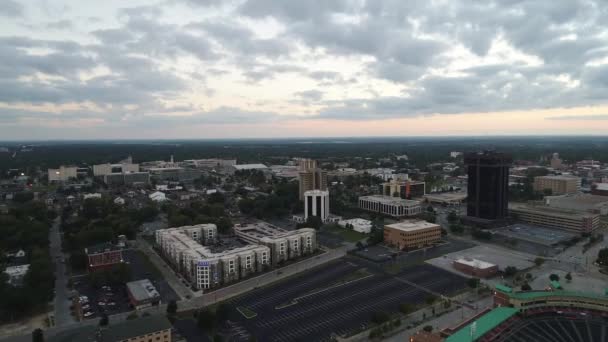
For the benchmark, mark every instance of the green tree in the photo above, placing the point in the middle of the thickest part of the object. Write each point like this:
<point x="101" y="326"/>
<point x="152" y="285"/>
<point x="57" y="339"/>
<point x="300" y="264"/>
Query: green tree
<point x="222" y="313"/>
<point x="379" y="317"/>
<point x="602" y="257"/>
<point x="104" y="320"/>
<point x="37" y="335"/>
<point x="430" y="299"/>
<point x="406" y="308"/>
<point x="23" y="196"/>
<point x="526" y="287"/>
<point x="428" y="328"/>
<point x="224" y="225"/>
<point x="452" y="217"/>
<point x="539" y="261"/>
<point x="553" y="277"/>
<point x="510" y="271"/>
<point x="172" y="307"/>
<point x="457" y="228"/>
<point x="473" y="282"/>
<point x="206" y="320"/>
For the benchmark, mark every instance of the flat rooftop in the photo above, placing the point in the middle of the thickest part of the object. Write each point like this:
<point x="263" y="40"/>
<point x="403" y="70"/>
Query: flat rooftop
<point x="601" y="186"/>
<point x="250" y="166"/>
<point x="447" y="196"/>
<point x="390" y="200"/>
<point x="412" y="225"/>
<point x="479" y="264"/>
<point x="260" y="229"/>
<point x="142" y="290"/>
<point x="578" y="201"/>
<point x="560" y="177"/>
<point x="536" y="234"/>
<point x="547" y="210"/>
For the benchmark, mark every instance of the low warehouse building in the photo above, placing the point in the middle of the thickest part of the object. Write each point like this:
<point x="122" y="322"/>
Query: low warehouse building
<point x="476" y="268"/>
<point x="142" y="293"/>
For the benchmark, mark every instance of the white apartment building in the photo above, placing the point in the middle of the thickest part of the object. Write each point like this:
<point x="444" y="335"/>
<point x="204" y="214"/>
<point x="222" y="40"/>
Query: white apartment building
<point x="316" y="203"/>
<point x="190" y="251"/>
<point x="283" y="244"/>
<point x="107" y="169"/>
<point x="62" y="174"/>
<point x="388" y="205"/>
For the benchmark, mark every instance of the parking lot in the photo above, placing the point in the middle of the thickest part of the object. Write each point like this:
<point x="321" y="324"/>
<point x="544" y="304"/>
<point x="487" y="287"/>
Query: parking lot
<point x="493" y="254"/>
<point x="113" y="298"/>
<point x="311" y="307"/>
<point x="379" y="253"/>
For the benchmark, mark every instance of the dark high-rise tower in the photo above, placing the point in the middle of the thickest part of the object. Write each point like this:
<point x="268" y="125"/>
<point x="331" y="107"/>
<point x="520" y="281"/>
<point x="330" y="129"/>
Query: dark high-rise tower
<point x="488" y="185"/>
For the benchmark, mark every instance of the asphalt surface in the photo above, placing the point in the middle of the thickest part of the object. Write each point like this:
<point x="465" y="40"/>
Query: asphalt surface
<point x="319" y="311"/>
<point x="62" y="303"/>
<point x="140" y="269"/>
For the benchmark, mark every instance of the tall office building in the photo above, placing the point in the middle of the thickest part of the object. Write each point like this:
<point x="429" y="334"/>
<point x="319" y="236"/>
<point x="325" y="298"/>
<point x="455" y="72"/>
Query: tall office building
<point x="488" y="184"/>
<point x="311" y="177"/>
<point x="316" y="203"/>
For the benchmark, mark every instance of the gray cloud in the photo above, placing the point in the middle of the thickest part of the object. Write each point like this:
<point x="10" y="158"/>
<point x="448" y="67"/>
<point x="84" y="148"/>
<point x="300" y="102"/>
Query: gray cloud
<point x="60" y="25"/>
<point x="600" y="117"/>
<point x="11" y="8"/>
<point x="408" y="43"/>
<point x="310" y="95"/>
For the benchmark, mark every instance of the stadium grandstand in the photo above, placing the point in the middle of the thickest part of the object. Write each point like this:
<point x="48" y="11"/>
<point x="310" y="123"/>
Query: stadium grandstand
<point x="544" y="316"/>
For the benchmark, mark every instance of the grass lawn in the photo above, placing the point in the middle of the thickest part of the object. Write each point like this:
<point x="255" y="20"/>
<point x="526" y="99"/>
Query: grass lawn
<point x="246" y="312"/>
<point x="345" y="234"/>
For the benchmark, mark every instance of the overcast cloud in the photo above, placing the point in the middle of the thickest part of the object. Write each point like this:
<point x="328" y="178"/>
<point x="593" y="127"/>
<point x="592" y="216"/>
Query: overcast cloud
<point x="187" y="63"/>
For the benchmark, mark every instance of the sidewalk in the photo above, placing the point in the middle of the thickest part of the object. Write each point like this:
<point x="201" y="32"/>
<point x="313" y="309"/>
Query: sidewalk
<point x="442" y="319"/>
<point x="182" y="290"/>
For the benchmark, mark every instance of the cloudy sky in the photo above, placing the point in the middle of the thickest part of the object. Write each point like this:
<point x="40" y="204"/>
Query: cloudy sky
<point x="73" y="69"/>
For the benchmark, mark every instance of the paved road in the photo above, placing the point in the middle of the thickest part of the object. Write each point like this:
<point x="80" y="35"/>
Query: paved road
<point x="62" y="303"/>
<point x="168" y="274"/>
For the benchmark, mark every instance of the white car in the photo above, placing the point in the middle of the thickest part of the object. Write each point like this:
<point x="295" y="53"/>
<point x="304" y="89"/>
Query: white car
<point x="85" y="307"/>
<point x="101" y="304"/>
<point x="88" y="314"/>
<point x="83" y="297"/>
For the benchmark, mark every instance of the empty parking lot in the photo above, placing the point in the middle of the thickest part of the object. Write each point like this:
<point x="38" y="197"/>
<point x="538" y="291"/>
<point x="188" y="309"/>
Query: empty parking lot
<point x="317" y="304"/>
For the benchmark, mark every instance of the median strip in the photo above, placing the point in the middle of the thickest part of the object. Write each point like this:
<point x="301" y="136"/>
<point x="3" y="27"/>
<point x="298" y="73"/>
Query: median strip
<point x="246" y="312"/>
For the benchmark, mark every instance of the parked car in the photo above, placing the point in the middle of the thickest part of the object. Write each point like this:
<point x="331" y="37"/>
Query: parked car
<point x="88" y="314"/>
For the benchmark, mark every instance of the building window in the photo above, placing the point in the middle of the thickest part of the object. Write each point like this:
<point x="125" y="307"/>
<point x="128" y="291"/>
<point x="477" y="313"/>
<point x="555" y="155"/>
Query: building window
<point x="248" y="262"/>
<point x="231" y="266"/>
<point x="210" y="234"/>
<point x="264" y="258"/>
<point x="308" y="242"/>
<point x="295" y="245"/>
<point x="282" y="248"/>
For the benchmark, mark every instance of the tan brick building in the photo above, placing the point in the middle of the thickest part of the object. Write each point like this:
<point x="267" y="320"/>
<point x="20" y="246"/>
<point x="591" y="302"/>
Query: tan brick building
<point x="412" y="234"/>
<point x="145" y="329"/>
<point x="559" y="185"/>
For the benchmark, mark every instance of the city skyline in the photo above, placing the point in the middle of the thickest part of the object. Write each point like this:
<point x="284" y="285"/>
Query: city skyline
<point x="262" y="69"/>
